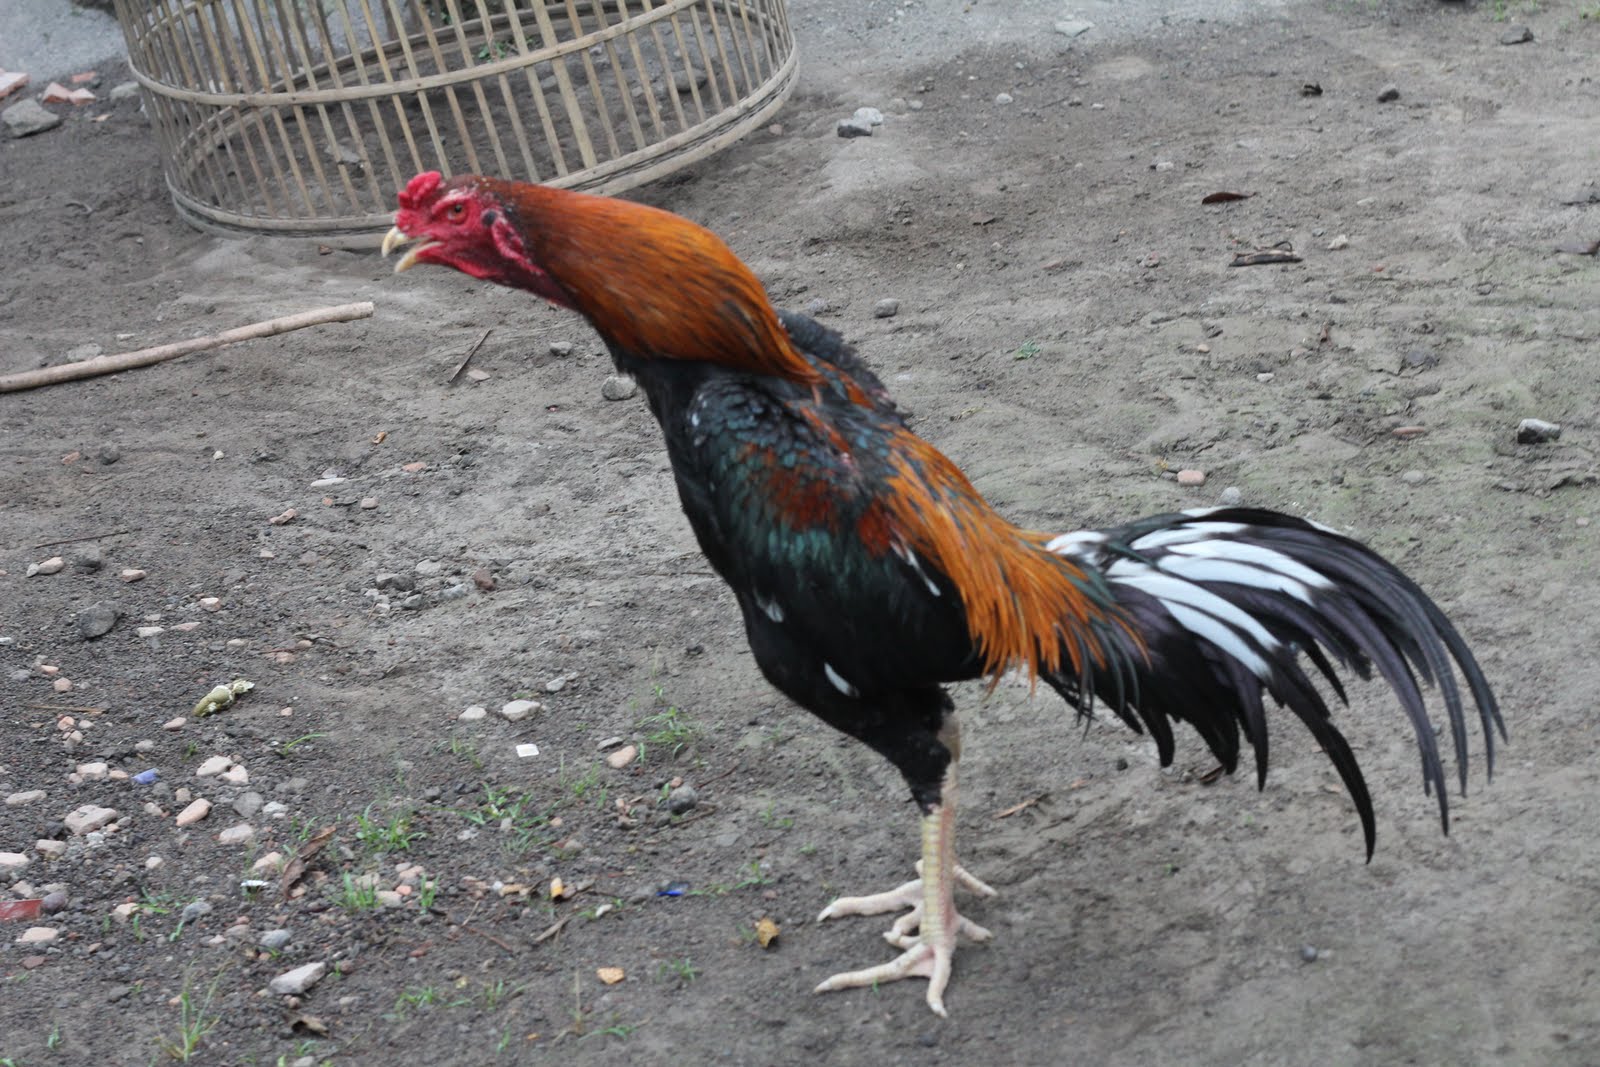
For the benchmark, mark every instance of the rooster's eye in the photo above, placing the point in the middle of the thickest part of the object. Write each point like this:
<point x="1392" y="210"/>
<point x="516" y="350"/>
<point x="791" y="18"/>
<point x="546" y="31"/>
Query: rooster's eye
<point x="458" y="210"/>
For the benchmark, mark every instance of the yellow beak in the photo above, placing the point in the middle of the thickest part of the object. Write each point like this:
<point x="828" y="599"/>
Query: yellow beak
<point x="397" y="238"/>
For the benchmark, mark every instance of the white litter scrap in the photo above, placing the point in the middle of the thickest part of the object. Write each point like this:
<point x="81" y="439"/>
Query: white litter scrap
<point x="221" y="697"/>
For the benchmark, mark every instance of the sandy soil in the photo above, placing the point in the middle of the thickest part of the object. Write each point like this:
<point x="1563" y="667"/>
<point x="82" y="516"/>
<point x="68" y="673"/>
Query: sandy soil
<point x="1070" y="330"/>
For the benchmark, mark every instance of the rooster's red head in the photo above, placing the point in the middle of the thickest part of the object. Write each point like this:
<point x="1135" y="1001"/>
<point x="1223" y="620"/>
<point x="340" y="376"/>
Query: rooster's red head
<point x="655" y="285"/>
<point x="463" y="223"/>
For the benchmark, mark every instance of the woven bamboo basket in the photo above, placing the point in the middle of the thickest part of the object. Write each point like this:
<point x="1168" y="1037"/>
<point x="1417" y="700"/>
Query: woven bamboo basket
<point x="301" y="118"/>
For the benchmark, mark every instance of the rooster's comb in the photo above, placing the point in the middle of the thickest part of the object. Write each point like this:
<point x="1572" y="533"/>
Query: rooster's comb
<point x="418" y="191"/>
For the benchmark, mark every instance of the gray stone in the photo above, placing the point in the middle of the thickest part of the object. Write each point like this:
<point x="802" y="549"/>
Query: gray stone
<point x="194" y="910"/>
<point x="1537" y="432"/>
<point x="96" y="620"/>
<point x="561" y="348"/>
<point x="29" y="117"/>
<point x="854" y="128"/>
<point x="109" y="454"/>
<point x="618" y="387"/>
<point x="248" y="804"/>
<point x="88" y="559"/>
<point x="1073" y="27"/>
<point x="1230" y="497"/>
<point x="1516" y="35"/>
<point x="297" y="981"/>
<point x="887" y="308"/>
<point x="682" y="799"/>
<point x="125" y="91"/>
<point x="683" y="80"/>
<point x="275" y="940"/>
<point x="1388" y="94"/>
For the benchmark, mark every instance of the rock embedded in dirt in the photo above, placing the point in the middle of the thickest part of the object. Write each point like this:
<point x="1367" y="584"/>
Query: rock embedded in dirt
<point x="473" y="714"/>
<point x="297" y="981"/>
<point x="133" y="574"/>
<point x="38" y="935"/>
<point x="853" y="127"/>
<point x="622" y="757"/>
<point x="248" y="804"/>
<point x="1191" y="478"/>
<point x="886" y="308"/>
<point x="1230" y="497"/>
<point x="1414" y="477"/>
<point x="197" y="810"/>
<point x="1516" y="35"/>
<point x="1537" y="432"/>
<point x="1308" y="953"/>
<point x="682" y="799"/>
<point x="88" y="817"/>
<point x="618" y="387"/>
<point x="88" y="559"/>
<point x="28" y="117"/>
<point x="242" y="834"/>
<point x="194" y="910"/>
<point x="213" y="766"/>
<point x="97" y="620"/>
<point x="55" y="901"/>
<point x="561" y="349"/>
<point x="25" y="796"/>
<point x="274" y="940"/>
<point x="517" y="710"/>
<point x="13" y="862"/>
<point x="125" y="91"/>
<point x="52" y="565"/>
<point x="1388" y="94"/>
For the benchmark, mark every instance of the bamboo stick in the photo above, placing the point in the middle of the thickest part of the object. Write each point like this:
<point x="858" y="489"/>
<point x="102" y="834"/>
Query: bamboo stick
<point x="144" y="357"/>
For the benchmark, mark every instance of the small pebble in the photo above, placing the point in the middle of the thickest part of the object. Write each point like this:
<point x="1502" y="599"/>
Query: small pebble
<point x="1339" y="242"/>
<point x="213" y="766"/>
<point x="52" y="565"/>
<point x="1003" y="98"/>
<point x="1414" y="477"/>
<point x="886" y="308"/>
<point x="194" y="910"/>
<point x="196" y="811"/>
<point x="1516" y="35"/>
<point x="618" y="387"/>
<point x="682" y="799"/>
<point x="1265" y="376"/>
<point x="237" y="835"/>
<point x="13" y="862"/>
<point x="297" y="981"/>
<point x="38" y="935"/>
<point x="517" y="710"/>
<point x="473" y="714"/>
<point x="1388" y="94"/>
<point x="53" y="902"/>
<point x="561" y="348"/>
<point x="51" y="848"/>
<point x="622" y="757"/>
<point x="27" y="796"/>
<point x="174" y="724"/>
<point x="248" y="804"/>
<point x="96" y="620"/>
<point x="1537" y="431"/>
<point x="369" y="502"/>
<point x="853" y="128"/>
<point x="1308" y="953"/>
<point x="133" y="574"/>
<point x="1191" y="477"/>
<point x="274" y="940"/>
<point x="211" y="603"/>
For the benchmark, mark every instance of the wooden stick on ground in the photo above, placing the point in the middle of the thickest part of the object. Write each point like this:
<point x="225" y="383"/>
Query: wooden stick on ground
<point x="90" y="368"/>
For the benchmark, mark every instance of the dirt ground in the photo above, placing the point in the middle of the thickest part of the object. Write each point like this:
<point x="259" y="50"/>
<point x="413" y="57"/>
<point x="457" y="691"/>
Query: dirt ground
<point x="1071" y="332"/>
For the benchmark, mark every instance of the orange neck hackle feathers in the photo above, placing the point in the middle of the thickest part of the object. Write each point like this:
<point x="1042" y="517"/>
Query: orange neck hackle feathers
<point x="655" y="285"/>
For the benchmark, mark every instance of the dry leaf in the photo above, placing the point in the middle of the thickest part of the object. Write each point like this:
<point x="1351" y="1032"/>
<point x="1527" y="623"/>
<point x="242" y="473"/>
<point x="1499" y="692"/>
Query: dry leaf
<point x="766" y="932"/>
<point x="296" y="867"/>
<point x="610" y="975"/>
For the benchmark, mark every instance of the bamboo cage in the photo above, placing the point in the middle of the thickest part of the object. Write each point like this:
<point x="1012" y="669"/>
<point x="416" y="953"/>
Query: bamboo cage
<point x="302" y="118"/>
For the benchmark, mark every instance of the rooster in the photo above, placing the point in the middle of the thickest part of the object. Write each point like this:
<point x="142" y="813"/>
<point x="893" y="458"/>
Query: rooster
<point x="871" y="573"/>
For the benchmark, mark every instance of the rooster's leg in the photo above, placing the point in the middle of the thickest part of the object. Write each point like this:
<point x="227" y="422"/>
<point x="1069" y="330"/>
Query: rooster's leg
<point x="930" y="951"/>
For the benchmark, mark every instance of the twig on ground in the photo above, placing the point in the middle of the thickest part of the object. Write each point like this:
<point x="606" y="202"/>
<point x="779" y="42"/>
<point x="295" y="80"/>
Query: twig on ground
<point x="90" y="368"/>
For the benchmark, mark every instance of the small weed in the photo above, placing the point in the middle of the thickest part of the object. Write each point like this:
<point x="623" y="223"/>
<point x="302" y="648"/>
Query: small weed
<point x="466" y="750"/>
<point x="1028" y="350"/>
<point x="303" y="739"/>
<point x="808" y="849"/>
<point x="194" y="1021"/>
<point x="395" y="835"/>
<point x="683" y="970"/>
<point x="53" y="1040"/>
<point x="357" y="894"/>
<point x="590" y="782"/>
<point x="495" y="993"/>
<point x="669" y="730"/>
<point x="426" y="893"/>
<point x="753" y="876"/>
<point x="770" y="816"/>
<point x="191" y="750"/>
